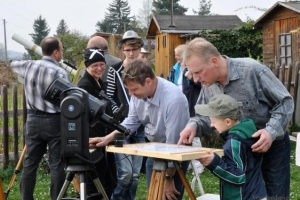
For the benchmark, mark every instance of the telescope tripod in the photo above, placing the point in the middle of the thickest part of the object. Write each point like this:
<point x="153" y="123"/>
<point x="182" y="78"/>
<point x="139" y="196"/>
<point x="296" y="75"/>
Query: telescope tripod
<point x="82" y="170"/>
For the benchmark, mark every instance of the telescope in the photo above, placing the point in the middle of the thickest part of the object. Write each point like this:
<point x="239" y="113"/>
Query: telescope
<point x="38" y="50"/>
<point x="79" y="110"/>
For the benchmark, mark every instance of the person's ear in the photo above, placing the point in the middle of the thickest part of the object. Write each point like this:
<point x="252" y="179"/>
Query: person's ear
<point x="214" y="60"/>
<point x="148" y="81"/>
<point x="228" y="122"/>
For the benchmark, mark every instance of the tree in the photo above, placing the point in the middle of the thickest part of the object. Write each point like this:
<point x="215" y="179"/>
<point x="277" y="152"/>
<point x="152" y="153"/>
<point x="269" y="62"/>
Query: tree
<point x="244" y="41"/>
<point x="62" y="28"/>
<point x="41" y="30"/>
<point x="74" y="44"/>
<point x="117" y="19"/>
<point x="204" y="8"/>
<point x="144" y="16"/>
<point x="135" y="26"/>
<point x="163" y="7"/>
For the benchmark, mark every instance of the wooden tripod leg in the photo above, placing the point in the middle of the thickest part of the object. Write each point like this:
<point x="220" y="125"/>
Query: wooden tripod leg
<point x="151" y="186"/>
<point x="76" y="183"/>
<point x="1" y="190"/>
<point x="17" y="170"/>
<point x="161" y="184"/>
<point x="184" y="181"/>
<point x="157" y="182"/>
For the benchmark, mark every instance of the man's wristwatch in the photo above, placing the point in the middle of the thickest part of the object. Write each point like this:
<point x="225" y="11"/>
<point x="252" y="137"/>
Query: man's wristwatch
<point x="168" y="176"/>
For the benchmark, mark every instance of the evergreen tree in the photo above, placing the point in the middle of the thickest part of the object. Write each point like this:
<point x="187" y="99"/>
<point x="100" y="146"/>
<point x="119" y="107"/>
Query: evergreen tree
<point x="117" y="19"/>
<point x="41" y="30"/>
<point x="62" y="28"/>
<point x="163" y="7"/>
<point x="204" y="8"/>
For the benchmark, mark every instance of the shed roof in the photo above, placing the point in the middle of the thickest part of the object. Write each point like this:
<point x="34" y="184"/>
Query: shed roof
<point x="292" y="5"/>
<point x="190" y="23"/>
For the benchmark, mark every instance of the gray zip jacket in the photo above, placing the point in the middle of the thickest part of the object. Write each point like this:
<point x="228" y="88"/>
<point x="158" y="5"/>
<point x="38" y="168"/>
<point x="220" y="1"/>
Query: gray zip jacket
<point x="261" y="96"/>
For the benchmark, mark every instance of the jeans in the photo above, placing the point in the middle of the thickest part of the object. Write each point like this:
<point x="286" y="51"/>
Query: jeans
<point x="178" y="183"/>
<point x="276" y="169"/>
<point x="128" y="169"/>
<point x="41" y="131"/>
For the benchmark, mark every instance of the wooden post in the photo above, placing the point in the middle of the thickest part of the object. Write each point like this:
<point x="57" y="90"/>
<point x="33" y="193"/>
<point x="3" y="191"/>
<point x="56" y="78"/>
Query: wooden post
<point x="289" y="77"/>
<point x="5" y="128"/>
<point x="296" y="79"/>
<point x="15" y="123"/>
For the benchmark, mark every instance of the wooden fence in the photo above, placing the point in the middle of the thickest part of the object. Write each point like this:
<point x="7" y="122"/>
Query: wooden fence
<point x="289" y="76"/>
<point x="6" y="114"/>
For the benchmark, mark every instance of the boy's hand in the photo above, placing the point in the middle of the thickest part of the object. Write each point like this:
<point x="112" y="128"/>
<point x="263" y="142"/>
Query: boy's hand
<point x="206" y="160"/>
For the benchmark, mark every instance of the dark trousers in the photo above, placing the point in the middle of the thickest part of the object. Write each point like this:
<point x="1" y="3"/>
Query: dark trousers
<point x="40" y="131"/>
<point x="276" y="169"/>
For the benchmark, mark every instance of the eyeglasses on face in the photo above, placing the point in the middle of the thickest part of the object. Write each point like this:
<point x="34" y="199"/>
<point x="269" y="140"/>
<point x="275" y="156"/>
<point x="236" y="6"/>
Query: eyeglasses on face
<point x="127" y="75"/>
<point x="131" y="50"/>
<point x="96" y="66"/>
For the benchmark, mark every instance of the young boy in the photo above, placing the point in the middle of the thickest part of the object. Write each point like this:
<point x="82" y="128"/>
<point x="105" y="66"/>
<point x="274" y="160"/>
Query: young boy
<point x="239" y="169"/>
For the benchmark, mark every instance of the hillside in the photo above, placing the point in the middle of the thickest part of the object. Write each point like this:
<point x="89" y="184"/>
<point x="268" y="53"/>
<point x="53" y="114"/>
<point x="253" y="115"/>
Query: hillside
<point x="14" y="55"/>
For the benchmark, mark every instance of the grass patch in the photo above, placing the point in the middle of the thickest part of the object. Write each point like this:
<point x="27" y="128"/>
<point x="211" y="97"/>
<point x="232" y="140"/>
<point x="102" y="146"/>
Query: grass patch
<point x="209" y="181"/>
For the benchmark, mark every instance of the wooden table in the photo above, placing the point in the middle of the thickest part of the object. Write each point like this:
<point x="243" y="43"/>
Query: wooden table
<point x="162" y="153"/>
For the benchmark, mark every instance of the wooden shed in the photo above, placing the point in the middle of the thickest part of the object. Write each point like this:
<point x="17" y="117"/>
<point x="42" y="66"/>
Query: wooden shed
<point x="280" y="26"/>
<point x="166" y="30"/>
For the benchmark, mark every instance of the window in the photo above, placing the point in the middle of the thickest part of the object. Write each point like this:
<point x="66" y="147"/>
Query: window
<point x="285" y="48"/>
<point x="164" y="41"/>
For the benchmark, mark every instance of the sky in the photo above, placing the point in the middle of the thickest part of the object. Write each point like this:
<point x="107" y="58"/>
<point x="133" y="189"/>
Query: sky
<point x="82" y="15"/>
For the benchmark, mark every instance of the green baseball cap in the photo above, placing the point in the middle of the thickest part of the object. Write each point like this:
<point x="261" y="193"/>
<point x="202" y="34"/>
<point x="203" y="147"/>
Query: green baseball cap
<point x="220" y="105"/>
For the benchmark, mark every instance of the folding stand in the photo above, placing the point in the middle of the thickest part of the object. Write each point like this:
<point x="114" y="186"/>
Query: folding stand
<point x="82" y="170"/>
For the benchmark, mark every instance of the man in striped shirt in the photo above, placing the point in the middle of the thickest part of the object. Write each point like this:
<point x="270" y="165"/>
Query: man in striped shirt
<point x="128" y="167"/>
<point x="43" y="118"/>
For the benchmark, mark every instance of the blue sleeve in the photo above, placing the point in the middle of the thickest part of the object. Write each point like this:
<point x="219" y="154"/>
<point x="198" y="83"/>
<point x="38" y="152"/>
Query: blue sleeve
<point x="230" y="167"/>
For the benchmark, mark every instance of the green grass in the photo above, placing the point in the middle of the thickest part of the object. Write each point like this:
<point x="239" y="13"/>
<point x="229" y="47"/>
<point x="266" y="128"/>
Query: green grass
<point x="209" y="181"/>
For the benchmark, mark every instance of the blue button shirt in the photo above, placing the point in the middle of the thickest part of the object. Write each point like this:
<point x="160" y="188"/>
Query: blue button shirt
<point x="164" y="116"/>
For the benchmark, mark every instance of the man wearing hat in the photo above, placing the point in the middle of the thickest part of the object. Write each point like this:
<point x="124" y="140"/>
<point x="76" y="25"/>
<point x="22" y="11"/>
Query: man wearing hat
<point x="144" y="54"/>
<point x="239" y="169"/>
<point x="91" y="82"/>
<point x="128" y="166"/>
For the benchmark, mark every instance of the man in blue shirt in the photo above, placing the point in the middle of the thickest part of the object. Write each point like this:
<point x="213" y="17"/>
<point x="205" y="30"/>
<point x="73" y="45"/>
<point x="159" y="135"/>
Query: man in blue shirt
<point x="162" y="108"/>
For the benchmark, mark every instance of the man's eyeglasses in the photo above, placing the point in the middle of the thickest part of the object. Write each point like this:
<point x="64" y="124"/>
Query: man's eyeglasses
<point x="130" y="50"/>
<point x="127" y="75"/>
